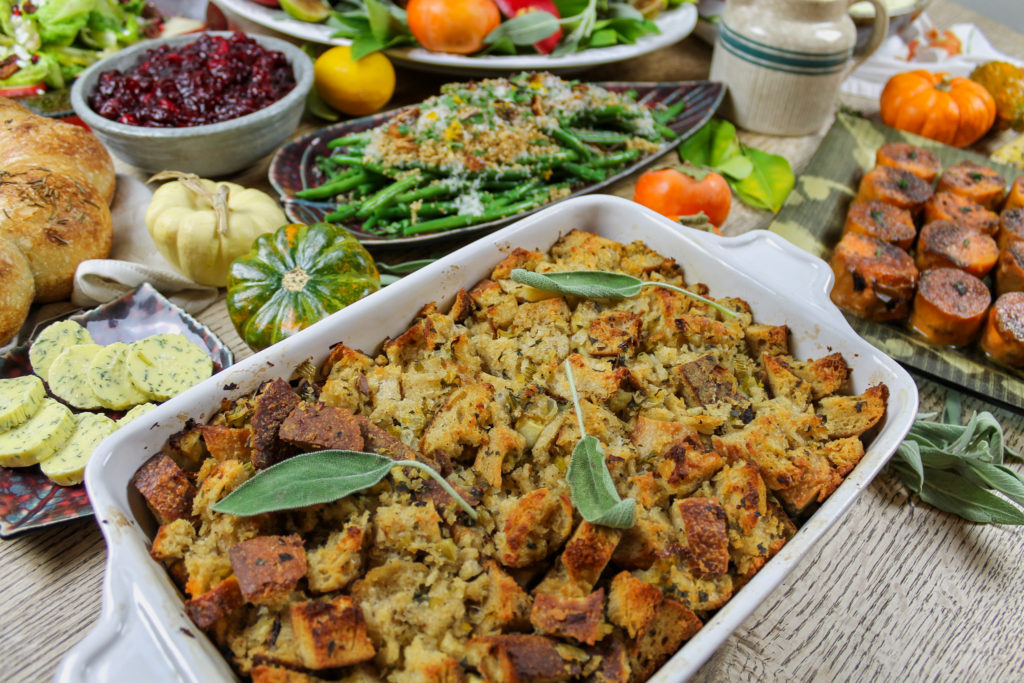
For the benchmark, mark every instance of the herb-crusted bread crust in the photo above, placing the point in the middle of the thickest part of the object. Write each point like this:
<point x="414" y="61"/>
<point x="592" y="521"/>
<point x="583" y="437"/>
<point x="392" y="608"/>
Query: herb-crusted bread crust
<point x="724" y="440"/>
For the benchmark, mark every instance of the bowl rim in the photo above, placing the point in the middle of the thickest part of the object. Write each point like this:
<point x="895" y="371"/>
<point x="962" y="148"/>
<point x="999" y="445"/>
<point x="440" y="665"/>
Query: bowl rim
<point x="915" y="6"/>
<point x="302" y="67"/>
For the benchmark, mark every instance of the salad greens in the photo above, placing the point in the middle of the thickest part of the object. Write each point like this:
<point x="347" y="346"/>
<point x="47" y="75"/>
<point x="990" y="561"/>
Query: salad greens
<point x="374" y="25"/>
<point x="51" y="41"/>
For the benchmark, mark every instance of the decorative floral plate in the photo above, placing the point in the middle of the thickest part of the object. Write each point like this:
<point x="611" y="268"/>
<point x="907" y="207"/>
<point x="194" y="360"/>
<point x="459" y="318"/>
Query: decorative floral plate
<point x="27" y="498"/>
<point x="674" y="25"/>
<point x="813" y="218"/>
<point x="294" y="168"/>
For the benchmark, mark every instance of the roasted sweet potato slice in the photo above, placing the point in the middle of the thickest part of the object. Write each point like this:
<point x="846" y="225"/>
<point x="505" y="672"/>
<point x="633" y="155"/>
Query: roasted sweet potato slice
<point x="949" y="306"/>
<point x="1003" y="336"/>
<point x="1010" y="271"/>
<point x="886" y="222"/>
<point x="980" y="183"/>
<point x="960" y="209"/>
<point x="1011" y="227"/>
<point x="874" y="279"/>
<point x="905" y="156"/>
<point x="1015" y="197"/>
<point x="945" y="244"/>
<point x="894" y="186"/>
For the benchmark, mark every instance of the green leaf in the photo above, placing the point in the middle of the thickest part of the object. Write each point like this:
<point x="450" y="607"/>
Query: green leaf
<point x="380" y="20"/>
<point x="317" y="478"/>
<point x="623" y="10"/>
<point x="308" y="479"/>
<point x="316" y="106"/>
<point x="712" y="145"/>
<point x="366" y="44"/>
<point x="769" y="183"/>
<point x="909" y="453"/>
<point x="951" y="410"/>
<point x="526" y="29"/>
<point x="736" y="168"/>
<point x="604" y="38"/>
<point x="952" y="493"/>
<point x="999" y="478"/>
<point x="405" y="267"/>
<point x="590" y="483"/>
<point x="500" y="47"/>
<point x="599" y="284"/>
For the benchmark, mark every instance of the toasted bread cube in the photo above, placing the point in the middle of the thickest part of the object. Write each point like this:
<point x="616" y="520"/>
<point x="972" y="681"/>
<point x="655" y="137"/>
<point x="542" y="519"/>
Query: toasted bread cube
<point x="519" y="258"/>
<point x="580" y="619"/>
<point x="462" y="306"/>
<point x="826" y="375"/>
<point x="339" y="561"/>
<point x="655" y="437"/>
<point x="346" y="370"/>
<point x="519" y="658"/>
<point x="227" y="443"/>
<point x="461" y="424"/>
<point x="588" y="552"/>
<point x="330" y="634"/>
<point x="274" y="402"/>
<point x="649" y="537"/>
<point x="597" y="380"/>
<point x="822" y="468"/>
<point x="268" y="567"/>
<point x="426" y="665"/>
<point x="767" y="339"/>
<point x="316" y="426"/>
<point x="639" y="260"/>
<point x="496" y="305"/>
<point x="507" y="606"/>
<point x="614" y="661"/>
<point x="764" y="442"/>
<point x="633" y="603"/>
<point x="784" y="382"/>
<point x="614" y="333"/>
<point x="407" y="528"/>
<point x="700" y="330"/>
<point x="587" y="251"/>
<point x="702" y="521"/>
<point x="504" y="446"/>
<point x="706" y="382"/>
<point x="536" y="527"/>
<point x="674" y="624"/>
<point x="757" y="525"/>
<point x="687" y="465"/>
<point x="168" y="491"/>
<point x="853" y="415"/>
<point x="215" y="604"/>
<point x="426" y="335"/>
<point x="173" y="540"/>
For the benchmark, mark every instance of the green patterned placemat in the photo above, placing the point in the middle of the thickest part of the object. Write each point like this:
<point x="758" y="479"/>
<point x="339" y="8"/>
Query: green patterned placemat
<point x="813" y="217"/>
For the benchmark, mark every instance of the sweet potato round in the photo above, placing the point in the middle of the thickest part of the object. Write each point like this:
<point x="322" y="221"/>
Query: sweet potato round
<point x="1003" y="336"/>
<point x="949" y="306"/>
<point x="945" y="244"/>
<point x="908" y="157"/>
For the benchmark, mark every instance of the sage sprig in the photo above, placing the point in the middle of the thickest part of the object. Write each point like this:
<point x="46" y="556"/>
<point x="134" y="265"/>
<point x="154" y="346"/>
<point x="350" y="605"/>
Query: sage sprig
<point x="320" y="477"/>
<point x="957" y="468"/>
<point x="600" y="284"/>
<point x="590" y="483"/>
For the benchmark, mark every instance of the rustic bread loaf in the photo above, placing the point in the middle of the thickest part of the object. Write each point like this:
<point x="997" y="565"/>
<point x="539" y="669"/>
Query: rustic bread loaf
<point x="56" y="183"/>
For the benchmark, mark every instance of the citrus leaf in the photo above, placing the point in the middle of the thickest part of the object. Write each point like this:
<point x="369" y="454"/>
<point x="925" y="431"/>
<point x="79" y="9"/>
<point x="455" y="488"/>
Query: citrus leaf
<point x="526" y="29"/>
<point x="769" y="182"/>
<point x="736" y="168"/>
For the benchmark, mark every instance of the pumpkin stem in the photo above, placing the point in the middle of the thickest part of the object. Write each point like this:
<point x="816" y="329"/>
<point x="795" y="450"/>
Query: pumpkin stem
<point x="295" y="279"/>
<point x="945" y="85"/>
<point x="194" y="184"/>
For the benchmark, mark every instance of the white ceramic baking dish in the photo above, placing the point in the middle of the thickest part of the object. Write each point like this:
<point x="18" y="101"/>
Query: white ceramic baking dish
<point x="143" y="633"/>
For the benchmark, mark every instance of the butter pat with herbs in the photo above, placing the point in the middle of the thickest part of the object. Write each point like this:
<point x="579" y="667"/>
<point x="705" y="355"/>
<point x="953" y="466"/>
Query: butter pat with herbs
<point x="164" y="365"/>
<point x="20" y="398"/>
<point x="69" y="377"/>
<point x="67" y="465"/>
<point x="108" y="375"/>
<point x="39" y="437"/>
<point x="52" y="341"/>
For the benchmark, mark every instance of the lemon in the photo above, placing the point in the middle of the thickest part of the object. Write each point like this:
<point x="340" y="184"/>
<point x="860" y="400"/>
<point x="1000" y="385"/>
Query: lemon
<point x="354" y="87"/>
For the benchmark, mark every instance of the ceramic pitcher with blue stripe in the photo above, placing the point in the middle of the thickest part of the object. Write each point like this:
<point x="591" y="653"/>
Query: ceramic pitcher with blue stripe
<point x="783" y="61"/>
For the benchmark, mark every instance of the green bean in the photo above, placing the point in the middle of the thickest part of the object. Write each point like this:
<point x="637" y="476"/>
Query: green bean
<point x="342" y="213"/>
<point x="368" y="165"/>
<point x="616" y="158"/>
<point x="665" y="131"/>
<point x="387" y="195"/>
<point x="370" y="223"/>
<point x="601" y="137"/>
<point x="516" y="194"/>
<point x="433" y="190"/>
<point x="585" y="172"/>
<point x="665" y="115"/>
<point x="346" y="181"/>
<point x="461" y="221"/>
<point x="572" y="142"/>
<point x="355" y="139"/>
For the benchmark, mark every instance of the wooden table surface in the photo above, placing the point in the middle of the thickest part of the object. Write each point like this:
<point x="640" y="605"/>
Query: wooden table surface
<point x="897" y="591"/>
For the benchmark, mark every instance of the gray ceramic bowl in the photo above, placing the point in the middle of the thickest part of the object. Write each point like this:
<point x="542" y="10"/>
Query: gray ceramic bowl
<point x="211" y="150"/>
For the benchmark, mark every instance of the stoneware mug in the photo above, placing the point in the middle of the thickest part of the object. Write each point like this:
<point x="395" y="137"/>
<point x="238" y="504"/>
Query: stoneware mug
<point x="783" y="61"/>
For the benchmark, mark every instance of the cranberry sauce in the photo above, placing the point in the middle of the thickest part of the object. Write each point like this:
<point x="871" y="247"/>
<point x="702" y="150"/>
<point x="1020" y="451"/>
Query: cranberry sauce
<point x="206" y="81"/>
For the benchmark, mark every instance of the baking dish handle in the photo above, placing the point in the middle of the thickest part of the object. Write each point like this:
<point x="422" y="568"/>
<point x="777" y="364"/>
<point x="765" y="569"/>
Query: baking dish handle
<point x="790" y="264"/>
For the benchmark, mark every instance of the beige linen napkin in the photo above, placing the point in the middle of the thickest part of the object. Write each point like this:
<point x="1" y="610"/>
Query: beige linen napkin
<point x="134" y="259"/>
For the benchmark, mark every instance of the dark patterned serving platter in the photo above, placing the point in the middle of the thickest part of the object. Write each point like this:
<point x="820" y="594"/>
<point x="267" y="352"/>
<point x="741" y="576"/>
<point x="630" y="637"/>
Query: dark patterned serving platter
<point x="294" y="168"/>
<point x="28" y="499"/>
<point x="813" y="218"/>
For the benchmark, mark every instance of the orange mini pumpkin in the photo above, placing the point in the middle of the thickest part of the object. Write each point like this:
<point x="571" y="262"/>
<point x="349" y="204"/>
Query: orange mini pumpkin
<point x="953" y="110"/>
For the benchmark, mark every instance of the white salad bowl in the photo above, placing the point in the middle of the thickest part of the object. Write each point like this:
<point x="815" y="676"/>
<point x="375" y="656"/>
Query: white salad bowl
<point x="143" y="632"/>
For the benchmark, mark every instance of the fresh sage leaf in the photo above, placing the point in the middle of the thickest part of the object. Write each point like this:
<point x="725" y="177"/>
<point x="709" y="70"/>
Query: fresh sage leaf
<point x="958" y="468"/>
<point x="599" y="284"/>
<point x="623" y="10"/>
<point x="526" y="29"/>
<point x="405" y="267"/>
<point x="317" y="478"/>
<point x="950" y="492"/>
<point x="769" y="183"/>
<point x="590" y="483"/>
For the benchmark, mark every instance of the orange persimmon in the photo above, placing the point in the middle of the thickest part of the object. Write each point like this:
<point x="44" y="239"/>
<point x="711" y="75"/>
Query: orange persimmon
<point x="455" y="26"/>
<point x="673" y="193"/>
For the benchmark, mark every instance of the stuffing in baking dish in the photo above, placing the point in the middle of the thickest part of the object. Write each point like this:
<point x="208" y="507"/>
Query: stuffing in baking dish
<point x="722" y="438"/>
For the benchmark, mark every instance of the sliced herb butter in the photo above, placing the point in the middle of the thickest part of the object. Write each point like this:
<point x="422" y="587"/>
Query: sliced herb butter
<point x="52" y="341"/>
<point x="136" y="412"/>
<point x="164" y="365"/>
<point x="67" y="465"/>
<point x="108" y="375"/>
<point x="20" y="398"/>
<point x="38" y="438"/>
<point x="69" y="376"/>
